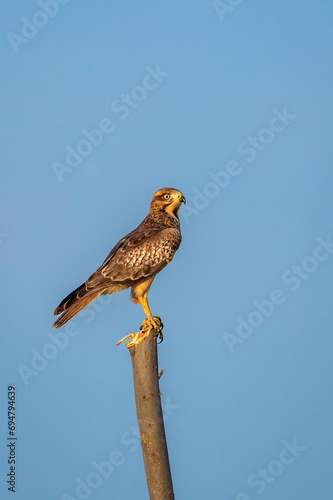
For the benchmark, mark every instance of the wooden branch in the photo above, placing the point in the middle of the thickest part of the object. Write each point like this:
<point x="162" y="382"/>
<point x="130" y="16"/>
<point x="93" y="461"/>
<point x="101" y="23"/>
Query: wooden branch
<point x="150" y="419"/>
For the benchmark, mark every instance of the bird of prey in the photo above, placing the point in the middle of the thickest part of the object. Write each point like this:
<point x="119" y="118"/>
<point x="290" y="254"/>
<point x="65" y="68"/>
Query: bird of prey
<point x="134" y="262"/>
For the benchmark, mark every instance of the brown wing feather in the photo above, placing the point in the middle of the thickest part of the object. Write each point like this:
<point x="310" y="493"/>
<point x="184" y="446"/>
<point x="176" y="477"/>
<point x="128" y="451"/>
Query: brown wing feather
<point x="142" y="254"/>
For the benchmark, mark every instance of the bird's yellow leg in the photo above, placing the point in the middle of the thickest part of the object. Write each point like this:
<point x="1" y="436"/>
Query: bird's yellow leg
<point x="145" y="306"/>
<point x="151" y="322"/>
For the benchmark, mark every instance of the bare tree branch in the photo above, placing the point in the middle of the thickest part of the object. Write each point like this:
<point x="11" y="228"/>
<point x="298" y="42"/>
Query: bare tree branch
<point x="150" y="419"/>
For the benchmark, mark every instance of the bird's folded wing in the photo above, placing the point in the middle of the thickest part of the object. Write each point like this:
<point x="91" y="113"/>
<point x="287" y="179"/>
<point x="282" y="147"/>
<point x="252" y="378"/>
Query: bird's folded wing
<point x="140" y="254"/>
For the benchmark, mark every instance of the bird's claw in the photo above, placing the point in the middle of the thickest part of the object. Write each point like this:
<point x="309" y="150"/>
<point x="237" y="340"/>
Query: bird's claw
<point x="155" y="324"/>
<point x="158" y="333"/>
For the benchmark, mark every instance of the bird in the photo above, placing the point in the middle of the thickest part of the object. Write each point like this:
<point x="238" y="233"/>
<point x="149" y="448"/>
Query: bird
<point x="133" y="263"/>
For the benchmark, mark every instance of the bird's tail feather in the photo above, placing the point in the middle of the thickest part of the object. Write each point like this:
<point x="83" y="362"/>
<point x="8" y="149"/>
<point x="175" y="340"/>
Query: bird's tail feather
<point x="70" y="299"/>
<point x="72" y="305"/>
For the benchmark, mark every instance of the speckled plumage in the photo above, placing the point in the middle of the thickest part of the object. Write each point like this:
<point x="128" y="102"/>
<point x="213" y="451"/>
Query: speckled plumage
<point x="135" y="260"/>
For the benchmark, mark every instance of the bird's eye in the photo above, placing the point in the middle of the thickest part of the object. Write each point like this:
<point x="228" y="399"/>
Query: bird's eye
<point x="166" y="196"/>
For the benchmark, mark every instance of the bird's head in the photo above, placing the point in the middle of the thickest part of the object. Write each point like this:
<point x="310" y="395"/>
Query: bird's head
<point x="167" y="200"/>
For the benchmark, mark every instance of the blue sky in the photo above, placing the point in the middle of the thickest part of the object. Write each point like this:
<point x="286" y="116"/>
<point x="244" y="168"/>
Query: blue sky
<point x="230" y="102"/>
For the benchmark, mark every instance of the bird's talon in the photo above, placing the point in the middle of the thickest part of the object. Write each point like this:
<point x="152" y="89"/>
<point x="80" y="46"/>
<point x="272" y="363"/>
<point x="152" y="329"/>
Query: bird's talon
<point x="160" y="336"/>
<point x="158" y="320"/>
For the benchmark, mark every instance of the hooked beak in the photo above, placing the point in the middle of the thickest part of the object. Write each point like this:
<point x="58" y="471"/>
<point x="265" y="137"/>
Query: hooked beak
<point x="182" y="199"/>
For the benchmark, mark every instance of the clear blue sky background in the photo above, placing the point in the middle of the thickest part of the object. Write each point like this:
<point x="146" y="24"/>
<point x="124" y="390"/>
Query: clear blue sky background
<point x="232" y="403"/>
